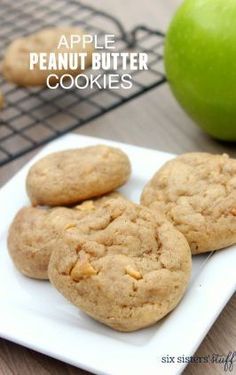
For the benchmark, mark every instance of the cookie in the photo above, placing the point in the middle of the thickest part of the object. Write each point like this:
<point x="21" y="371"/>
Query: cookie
<point x="16" y="67"/>
<point x="197" y="193"/>
<point x="33" y="232"/>
<point x="71" y="176"/>
<point x="122" y="265"/>
<point x="32" y="236"/>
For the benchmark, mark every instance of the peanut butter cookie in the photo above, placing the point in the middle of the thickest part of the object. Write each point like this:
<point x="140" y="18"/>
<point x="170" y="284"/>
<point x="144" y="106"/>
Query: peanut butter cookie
<point x="33" y="231"/>
<point x="197" y="193"/>
<point x="67" y="177"/>
<point x="122" y="265"/>
<point x="16" y="66"/>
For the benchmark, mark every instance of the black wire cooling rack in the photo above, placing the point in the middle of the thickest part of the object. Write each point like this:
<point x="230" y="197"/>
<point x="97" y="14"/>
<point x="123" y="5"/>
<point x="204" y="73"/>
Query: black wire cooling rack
<point x="33" y="116"/>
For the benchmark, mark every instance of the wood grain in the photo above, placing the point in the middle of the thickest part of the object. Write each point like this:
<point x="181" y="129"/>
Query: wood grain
<point x="154" y="120"/>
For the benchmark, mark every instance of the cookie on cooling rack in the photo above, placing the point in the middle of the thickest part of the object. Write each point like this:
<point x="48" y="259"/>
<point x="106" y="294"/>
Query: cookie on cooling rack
<point x="16" y="65"/>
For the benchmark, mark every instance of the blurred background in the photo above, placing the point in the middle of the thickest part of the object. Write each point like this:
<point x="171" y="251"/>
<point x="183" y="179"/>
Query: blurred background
<point x="154" y="119"/>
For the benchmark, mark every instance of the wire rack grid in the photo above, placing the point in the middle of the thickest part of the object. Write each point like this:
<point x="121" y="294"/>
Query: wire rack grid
<point x="33" y="116"/>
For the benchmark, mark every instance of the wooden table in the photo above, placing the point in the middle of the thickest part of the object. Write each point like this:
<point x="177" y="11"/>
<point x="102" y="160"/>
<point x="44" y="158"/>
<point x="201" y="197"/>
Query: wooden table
<point x="154" y="120"/>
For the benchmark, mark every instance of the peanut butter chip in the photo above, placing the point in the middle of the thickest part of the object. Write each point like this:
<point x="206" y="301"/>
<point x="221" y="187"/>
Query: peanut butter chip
<point x="133" y="273"/>
<point x="233" y="211"/>
<point x="70" y="226"/>
<point x="86" y="206"/>
<point x="82" y="270"/>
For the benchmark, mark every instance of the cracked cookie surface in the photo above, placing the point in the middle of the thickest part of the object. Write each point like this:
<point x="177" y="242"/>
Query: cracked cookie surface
<point x="70" y="176"/>
<point x="123" y="265"/>
<point x="197" y="193"/>
<point x="16" y="67"/>
<point x="33" y="232"/>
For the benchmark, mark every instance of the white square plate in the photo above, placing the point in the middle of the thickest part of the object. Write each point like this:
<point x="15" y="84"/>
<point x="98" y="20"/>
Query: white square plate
<point x="35" y="315"/>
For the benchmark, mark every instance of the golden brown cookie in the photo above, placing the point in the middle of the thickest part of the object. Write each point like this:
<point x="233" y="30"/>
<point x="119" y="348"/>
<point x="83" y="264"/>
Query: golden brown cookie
<point x="32" y="234"/>
<point x="15" y="66"/>
<point x="123" y="265"/>
<point x="197" y="193"/>
<point x="71" y="176"/>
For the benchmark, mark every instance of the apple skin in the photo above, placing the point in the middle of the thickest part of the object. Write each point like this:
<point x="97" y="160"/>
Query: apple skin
<point x="200" y="63"/>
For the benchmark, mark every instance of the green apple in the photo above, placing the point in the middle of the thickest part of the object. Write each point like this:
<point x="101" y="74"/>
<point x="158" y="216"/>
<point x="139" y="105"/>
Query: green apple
<point x="200" y="62"/>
